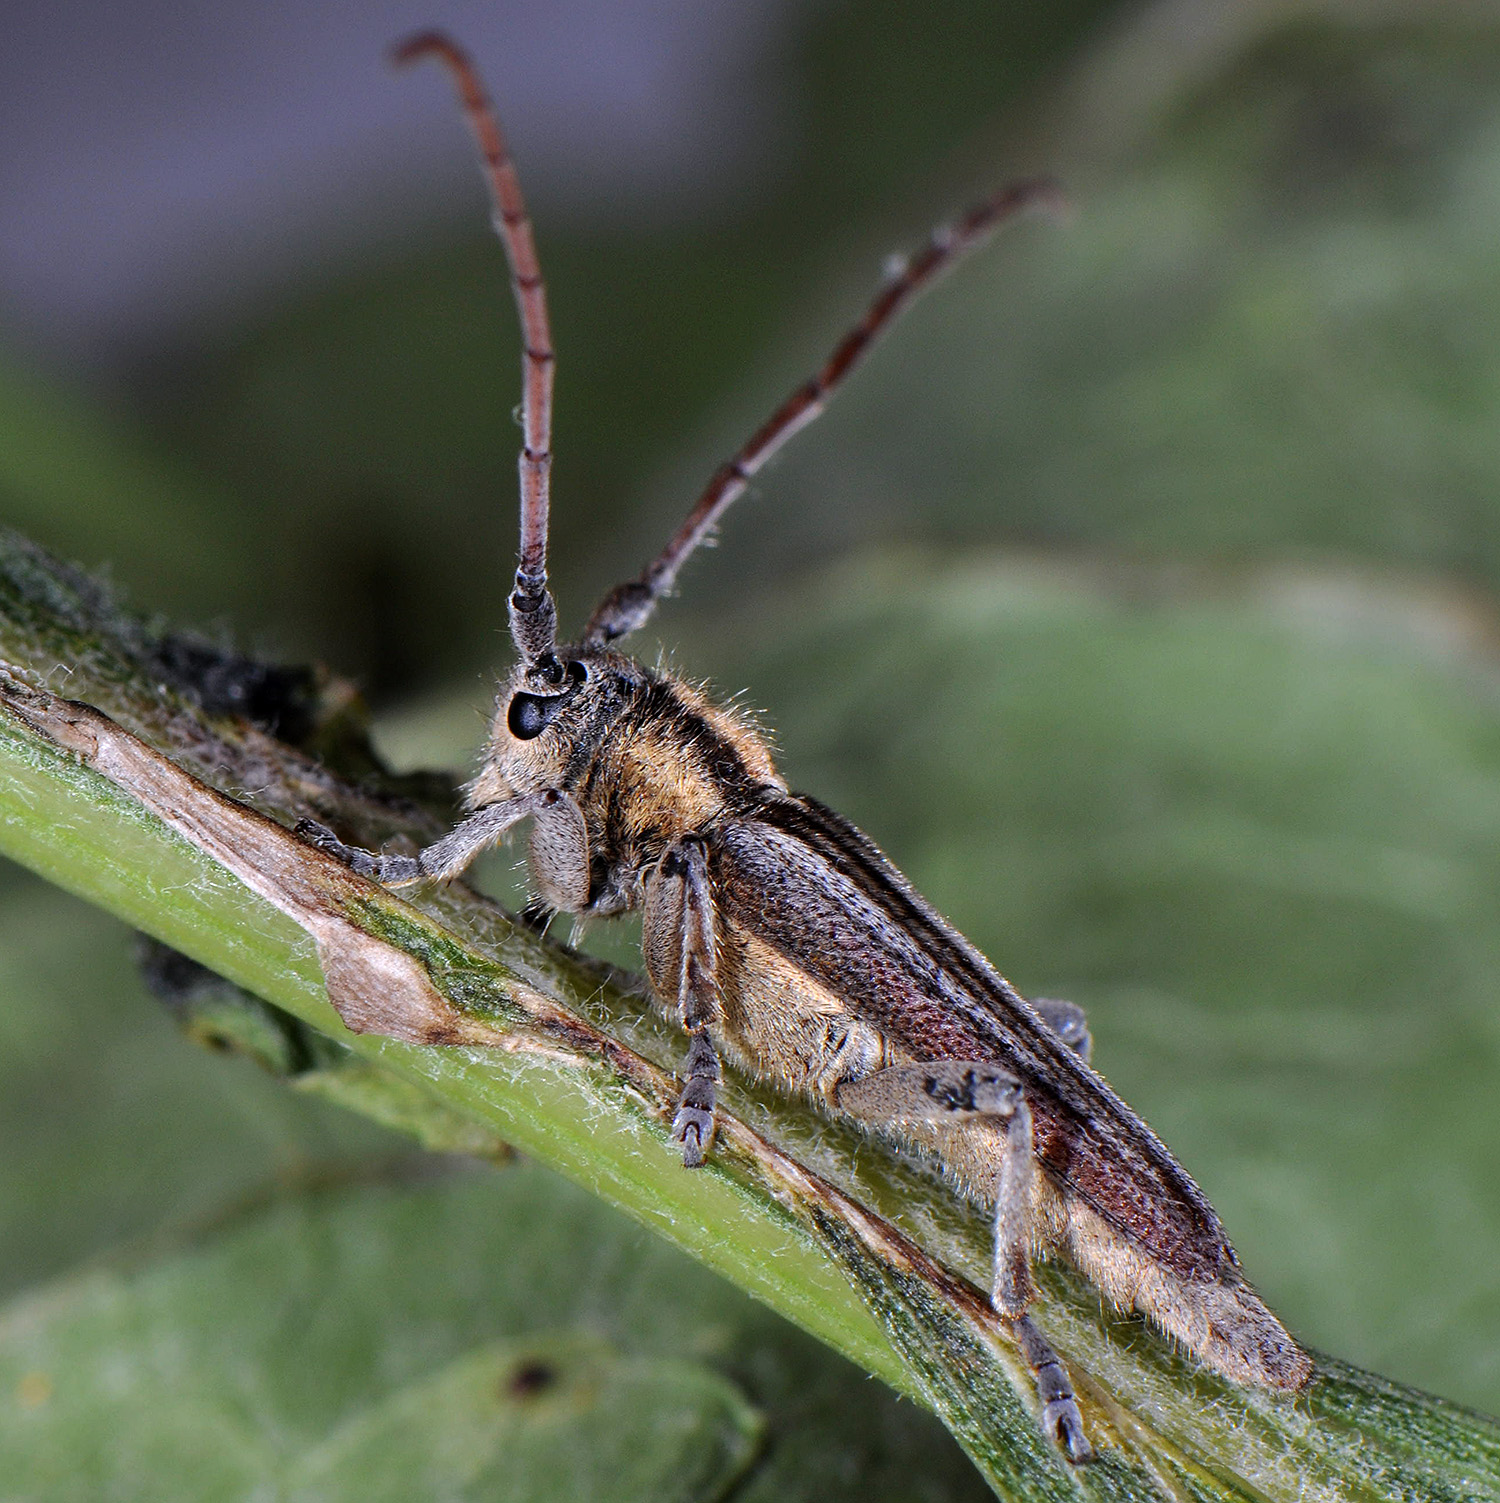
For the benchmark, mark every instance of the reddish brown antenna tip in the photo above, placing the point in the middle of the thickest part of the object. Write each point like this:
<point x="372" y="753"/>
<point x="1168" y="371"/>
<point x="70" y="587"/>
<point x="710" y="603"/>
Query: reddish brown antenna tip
<point x="427" y="44"/>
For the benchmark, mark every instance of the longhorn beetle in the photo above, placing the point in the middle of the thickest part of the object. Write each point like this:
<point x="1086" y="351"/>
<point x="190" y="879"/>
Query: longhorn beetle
<point x="775" y="931"/>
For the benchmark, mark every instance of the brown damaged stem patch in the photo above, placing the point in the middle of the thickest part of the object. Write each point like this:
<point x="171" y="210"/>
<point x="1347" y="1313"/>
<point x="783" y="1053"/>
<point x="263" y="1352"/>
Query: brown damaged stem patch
<point x="373" y="987"/>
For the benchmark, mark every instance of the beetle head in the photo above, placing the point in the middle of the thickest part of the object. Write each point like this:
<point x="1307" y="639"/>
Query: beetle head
<point x="547" y="715"/>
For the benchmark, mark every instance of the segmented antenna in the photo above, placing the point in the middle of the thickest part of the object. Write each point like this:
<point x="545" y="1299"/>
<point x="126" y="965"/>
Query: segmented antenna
<point x="629" y="605"/>
<point x="533" y="615"/>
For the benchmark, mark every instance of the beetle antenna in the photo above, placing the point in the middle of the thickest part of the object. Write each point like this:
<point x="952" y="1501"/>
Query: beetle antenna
<point x="533" y="615"/>
<point x="629" y="605"/>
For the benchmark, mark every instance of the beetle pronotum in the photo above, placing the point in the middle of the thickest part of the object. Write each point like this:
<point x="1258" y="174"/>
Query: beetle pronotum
<point x="775" y="931"/>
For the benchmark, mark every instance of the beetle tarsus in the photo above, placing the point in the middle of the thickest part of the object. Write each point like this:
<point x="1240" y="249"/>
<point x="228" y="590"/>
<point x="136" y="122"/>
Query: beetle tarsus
<point x="693" y="1126"/>
<point x="365" y="863"/>
<point x="1061" y="1420"/>
<point x="391" y="871"/>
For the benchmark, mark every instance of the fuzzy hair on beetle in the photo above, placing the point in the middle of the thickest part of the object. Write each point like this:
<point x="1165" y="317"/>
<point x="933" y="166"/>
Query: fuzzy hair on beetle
<point x="778" y="935"/>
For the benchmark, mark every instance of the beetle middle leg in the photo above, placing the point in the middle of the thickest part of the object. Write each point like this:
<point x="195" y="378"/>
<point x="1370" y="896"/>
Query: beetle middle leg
<point x="952" y="1093"/>
<point x="680" y="947"/>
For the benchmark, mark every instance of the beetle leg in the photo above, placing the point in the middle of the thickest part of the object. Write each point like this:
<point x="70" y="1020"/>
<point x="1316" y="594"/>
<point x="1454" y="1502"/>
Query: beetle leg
<point x="680" y="947"/>
<point x="558" y="853"/>
<point x="1068" y="1021"/>
<point x="1061" y="1421"/>
<point x="941" y="1092"/>
<point x="693" y="1125"/>
<point x="950" y="1093"/>
<point x="457" y="849"/>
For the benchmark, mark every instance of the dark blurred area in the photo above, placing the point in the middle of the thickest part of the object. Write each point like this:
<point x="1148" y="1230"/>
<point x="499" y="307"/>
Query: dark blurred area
<point x="1139" y="596"/>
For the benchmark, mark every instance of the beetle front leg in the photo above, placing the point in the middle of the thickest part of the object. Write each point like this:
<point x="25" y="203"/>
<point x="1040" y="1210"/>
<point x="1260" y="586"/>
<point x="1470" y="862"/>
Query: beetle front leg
<point x="950" y="1093"/>
<point x="449" y="856"/>
<point x="680" y="946"/>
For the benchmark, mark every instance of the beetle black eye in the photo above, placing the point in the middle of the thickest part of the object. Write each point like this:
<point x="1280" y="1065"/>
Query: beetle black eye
<point x="530" y="714"/>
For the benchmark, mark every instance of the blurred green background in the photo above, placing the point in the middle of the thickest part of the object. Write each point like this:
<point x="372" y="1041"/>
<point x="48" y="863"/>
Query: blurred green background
<point x="1139" y="598"/>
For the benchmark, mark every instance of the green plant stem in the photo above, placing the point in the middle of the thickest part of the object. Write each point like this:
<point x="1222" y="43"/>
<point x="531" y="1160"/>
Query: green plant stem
<point x="123" y="805"/>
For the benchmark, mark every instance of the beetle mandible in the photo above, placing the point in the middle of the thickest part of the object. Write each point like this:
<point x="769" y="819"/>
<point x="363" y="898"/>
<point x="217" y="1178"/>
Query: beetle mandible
<point x="777" y="933"/>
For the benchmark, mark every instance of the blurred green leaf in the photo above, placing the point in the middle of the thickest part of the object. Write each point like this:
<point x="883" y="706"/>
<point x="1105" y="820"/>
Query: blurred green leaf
<point x="550" y="1418"/>
<point x="482" y="1336"/>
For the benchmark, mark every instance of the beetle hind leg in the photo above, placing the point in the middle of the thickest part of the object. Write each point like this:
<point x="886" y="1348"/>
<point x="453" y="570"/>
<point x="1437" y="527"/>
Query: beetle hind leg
<point x="1061" y="1422"/>
<point x="950" y="1093"/>
<point x="953" y="1093"/>
<point x="1015" y="1289"/>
